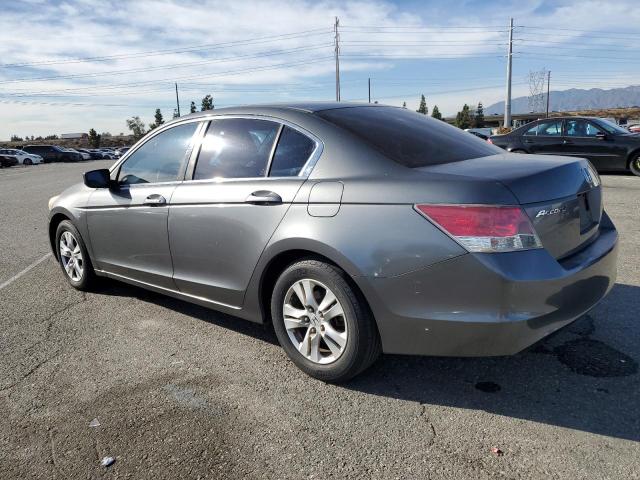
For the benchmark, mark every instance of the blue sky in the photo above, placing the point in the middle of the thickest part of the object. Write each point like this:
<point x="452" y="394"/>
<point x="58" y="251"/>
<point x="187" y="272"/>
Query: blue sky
<point x="69" y="66"/>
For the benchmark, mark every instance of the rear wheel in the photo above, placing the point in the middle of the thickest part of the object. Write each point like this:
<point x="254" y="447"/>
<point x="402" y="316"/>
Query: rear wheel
<point x="634" y="165"/>
<point x="322" y="323"/>
<point x="73" y="257"/>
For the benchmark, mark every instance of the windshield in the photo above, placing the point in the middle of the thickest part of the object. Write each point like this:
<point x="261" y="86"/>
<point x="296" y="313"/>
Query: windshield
<point x="409" y="138"/>
<point x="611" y="127"/>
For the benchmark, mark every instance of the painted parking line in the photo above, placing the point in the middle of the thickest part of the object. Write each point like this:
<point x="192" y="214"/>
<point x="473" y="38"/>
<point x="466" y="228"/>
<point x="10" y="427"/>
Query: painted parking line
<point x="25" y="271"/>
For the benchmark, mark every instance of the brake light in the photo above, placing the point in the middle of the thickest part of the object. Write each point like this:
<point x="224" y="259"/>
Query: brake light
<point x="484" y="228"/>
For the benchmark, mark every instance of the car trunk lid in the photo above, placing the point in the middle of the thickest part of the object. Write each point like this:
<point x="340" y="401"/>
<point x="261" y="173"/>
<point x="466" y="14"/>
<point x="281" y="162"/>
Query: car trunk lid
<point x="561" y="195"/>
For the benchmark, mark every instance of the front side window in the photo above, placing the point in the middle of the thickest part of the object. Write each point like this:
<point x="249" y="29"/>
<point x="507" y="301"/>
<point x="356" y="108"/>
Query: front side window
<point x="550" y="129"/>
<point x="160" y="158"/>
<point x="532" y="132"/>
<point x="582" y="128"/>
<point x="236" y="148"/>
<point x="292" y="152"/>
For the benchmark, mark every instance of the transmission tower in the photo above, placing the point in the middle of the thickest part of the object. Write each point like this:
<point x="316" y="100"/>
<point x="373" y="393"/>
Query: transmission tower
<point x="537" y="84"/>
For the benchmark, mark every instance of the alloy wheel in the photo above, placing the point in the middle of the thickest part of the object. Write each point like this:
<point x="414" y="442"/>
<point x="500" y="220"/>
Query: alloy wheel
<point x="71" y="256"/>
<point x="315" y="321"/>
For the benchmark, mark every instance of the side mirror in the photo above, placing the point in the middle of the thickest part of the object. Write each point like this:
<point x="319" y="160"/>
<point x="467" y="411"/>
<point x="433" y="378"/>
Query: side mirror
<point x="601" y="136"/>
<point x="97" y="178"/>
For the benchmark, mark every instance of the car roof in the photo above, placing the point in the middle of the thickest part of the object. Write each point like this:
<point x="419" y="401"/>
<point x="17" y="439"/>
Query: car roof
<point x="275" y="108"/>
<point x="571" y="117"/>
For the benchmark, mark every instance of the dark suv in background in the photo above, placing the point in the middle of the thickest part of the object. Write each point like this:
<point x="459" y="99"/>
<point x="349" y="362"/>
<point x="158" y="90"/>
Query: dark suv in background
<point x="608" y="146"/>
<point x="53" y="153"/>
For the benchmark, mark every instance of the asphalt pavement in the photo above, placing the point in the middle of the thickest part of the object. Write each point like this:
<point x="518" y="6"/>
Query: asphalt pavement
<point x="180" y="391"/>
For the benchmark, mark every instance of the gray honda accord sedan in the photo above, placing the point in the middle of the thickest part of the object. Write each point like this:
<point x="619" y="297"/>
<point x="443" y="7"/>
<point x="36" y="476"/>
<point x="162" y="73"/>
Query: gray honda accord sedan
<point x="354" y="229"/>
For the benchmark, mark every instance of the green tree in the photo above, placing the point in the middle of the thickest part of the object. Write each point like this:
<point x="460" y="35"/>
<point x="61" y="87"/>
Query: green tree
<point x="16" y="138"/>
<point x="404" y="104"/>
<point x="175" y="113"/>
<point x="463" y="118"/>
<point x="137" y="127"/>
<point x="192" y="109"/>
<point x="423" y="106"/>
<point x="435" y="113"/>
<point x="94" y="138"/>
<point x="207" y="103"/>
<point x="478" y="117"/>
<point x="158" y="120"/>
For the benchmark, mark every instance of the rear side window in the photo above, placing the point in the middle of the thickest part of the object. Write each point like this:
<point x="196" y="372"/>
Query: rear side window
<point x="236" y="148"/>
<point x="292" y="152"/>
<point x="411" y="139"/>
<point x="550" y="129"/>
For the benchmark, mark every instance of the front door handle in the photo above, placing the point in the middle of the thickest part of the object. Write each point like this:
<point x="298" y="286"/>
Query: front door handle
<point x="264" y="197"/>
<point x="155" y="199"/>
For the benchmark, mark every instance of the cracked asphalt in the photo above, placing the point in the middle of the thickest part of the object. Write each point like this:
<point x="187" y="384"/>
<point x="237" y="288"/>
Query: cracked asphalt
<point x="184" y="392"/>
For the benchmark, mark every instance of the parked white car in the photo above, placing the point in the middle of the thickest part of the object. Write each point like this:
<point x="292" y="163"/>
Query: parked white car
<point x="23" y="158"/>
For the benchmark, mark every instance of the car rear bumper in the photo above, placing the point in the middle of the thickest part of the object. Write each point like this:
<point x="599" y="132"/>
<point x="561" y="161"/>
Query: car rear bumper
<point x="490" y="304"/>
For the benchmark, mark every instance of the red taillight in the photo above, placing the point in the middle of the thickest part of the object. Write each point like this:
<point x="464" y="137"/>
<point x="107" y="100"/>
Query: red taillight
<point x="483" y="228"/>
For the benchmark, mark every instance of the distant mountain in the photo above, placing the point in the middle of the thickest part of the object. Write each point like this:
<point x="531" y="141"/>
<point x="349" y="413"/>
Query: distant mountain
<point x="577" y="99"/>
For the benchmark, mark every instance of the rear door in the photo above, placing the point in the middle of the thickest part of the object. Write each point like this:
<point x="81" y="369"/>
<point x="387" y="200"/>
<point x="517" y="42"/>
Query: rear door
<point x="544" y="138"/>
<point x="584" y="138"/>
<point x="242" y="181"/>
<point x="128" y="222"/>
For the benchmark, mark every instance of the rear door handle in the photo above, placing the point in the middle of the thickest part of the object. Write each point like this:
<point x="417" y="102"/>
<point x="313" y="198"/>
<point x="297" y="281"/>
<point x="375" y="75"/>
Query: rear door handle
<point x="155" y="199"/>
<point x="264" y="197"/>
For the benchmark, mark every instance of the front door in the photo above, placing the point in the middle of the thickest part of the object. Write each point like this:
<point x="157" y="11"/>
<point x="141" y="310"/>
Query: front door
<point x="544" y="138"/>
<point x="246" y="176"/>
<point x="128" y="222"/>
<point x="584" y="138"/>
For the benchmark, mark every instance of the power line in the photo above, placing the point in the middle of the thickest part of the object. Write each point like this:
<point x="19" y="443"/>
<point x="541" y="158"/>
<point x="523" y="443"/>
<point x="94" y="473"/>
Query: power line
<point x="579" y="30"/>
<point x="167" y="66"/>
<point x="500" y="28"/>
<point x="175" y="79"/>
<point x="195" y="48"/>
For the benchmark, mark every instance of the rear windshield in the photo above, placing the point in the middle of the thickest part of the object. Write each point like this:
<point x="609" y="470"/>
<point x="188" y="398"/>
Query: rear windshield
<point x="409" y="138"/>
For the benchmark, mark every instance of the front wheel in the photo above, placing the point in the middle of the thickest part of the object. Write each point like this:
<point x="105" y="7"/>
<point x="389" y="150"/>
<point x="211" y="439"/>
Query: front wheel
<point x="634" y="165"/>
<point x="73" y="257"/>
<point x="27" y="161"/>
<point x="322" y="323"/>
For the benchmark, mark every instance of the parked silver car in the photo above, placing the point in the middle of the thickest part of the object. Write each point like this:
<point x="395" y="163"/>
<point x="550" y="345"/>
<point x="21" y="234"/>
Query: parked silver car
<point x="353" y="228"/>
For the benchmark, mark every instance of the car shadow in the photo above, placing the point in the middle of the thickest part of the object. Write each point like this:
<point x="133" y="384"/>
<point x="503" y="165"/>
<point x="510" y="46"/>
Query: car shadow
<point x="244" y="327"/>
<point x="572" y="379"/>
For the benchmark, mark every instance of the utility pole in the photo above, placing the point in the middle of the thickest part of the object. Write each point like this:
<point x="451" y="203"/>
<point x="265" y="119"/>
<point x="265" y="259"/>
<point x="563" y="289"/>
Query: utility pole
<point x="507" y="101"/>
<point x="369" y="89"/>
<point x="177" y="99"/>
<point x="548" y="87"/>
<point x="337" y="42"/>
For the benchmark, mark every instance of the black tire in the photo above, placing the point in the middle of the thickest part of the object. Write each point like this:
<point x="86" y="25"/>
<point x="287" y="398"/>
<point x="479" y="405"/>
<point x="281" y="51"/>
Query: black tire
<point x="27" y="161"/>
<point x="363" y="341"/>
<point x="634" y="165"/>
<point x="88" y="279"/>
